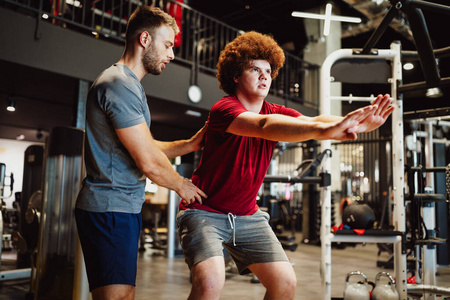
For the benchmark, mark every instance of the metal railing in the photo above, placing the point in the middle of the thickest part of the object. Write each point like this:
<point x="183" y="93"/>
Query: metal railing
<point x="198" y="44"/>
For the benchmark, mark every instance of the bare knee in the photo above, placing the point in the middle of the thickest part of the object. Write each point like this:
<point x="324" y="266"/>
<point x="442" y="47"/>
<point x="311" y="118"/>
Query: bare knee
<point x="208" y="279"/>
<point x="207" y="285"/>
<point x="283" y="288"/>
<point x="291" y="284"/>
<point x="279" y="279"/>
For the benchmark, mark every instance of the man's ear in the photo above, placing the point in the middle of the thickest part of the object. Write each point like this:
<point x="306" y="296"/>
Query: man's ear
<point x="145" y="39"/>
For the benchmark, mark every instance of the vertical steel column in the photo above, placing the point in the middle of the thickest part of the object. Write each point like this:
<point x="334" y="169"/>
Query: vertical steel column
<point x="325" y="225"/>
<point x="429" y="216"/>
<point x="418" y="249"/>
<point x="398" y="166"/>
<point x="174" y="199"/>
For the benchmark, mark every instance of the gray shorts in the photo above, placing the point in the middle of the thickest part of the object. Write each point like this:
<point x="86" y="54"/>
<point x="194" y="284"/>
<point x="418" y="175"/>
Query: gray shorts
<point x="248" y="239"/>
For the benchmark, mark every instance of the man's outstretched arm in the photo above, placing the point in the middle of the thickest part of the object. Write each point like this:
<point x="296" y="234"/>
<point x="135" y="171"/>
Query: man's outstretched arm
<point x="277" y="127"/>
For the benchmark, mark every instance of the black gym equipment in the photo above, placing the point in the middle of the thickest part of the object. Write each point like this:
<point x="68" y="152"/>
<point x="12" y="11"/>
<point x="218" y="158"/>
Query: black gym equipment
<point x="427" y="57"/>
<point x="151" y="219"/>
<point x="277" y="209"/>
<point x="358" y="216"/>
<point x="26" y="238"/>
<point x="282" y="219"/>
<point x="7" y="216"/>
<point x="9" y="221"/>
<point x="3" y="184"/>
<point x="425" y="52"/>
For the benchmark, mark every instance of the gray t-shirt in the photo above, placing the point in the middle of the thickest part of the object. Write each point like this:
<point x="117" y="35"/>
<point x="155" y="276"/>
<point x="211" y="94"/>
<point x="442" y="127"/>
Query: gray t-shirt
<point x="113" y="182"/>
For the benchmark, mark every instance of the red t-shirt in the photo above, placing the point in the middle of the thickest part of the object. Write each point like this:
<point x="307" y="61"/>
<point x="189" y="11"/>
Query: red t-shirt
<point x="232" y="167"/>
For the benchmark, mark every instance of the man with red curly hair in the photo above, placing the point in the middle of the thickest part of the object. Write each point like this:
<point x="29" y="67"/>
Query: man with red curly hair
<point x="243" y="130"/>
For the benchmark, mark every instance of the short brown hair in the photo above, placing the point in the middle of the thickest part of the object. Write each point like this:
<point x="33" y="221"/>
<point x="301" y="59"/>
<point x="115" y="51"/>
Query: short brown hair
<point x="237" y="55"/>
<point x="147" y="18"/>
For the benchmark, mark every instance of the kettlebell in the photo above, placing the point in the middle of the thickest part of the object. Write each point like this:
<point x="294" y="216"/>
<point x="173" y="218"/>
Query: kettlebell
<point x="356" y="291"/>
<point x="384" y="291"/>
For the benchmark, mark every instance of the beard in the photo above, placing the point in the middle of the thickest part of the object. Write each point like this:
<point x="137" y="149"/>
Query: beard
<point x="150" y="63"/>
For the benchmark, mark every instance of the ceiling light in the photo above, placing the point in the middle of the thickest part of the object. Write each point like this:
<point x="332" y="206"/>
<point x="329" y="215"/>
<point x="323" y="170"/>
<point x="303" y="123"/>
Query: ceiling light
<point x="434" y="92"/>
<point x="324" y="17"/>
<point x="20" y="137"/>
<point x="11" y="106"/>
<point x="193" y="113"/>
<point x="74" y="3"/>
<point x="408" y="66"/>
<point x="195" y="93"/>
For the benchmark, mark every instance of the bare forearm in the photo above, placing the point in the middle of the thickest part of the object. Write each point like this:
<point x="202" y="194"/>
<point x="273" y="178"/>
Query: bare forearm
<point x="318" y="128"/>
<point x="148" y="157"/>
<point x="276" y="127"/>
<point x="322" y="118"/>
<point x="166" y="176"/>
<point x="288" y="129"/>
<point x="156" y="166"/>
<point x="175" y="148"/>
<point x="160" y="171"/>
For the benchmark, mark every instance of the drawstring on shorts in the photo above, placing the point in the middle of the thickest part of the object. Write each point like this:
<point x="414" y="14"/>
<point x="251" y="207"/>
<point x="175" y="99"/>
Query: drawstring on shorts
<point x="231" y="219"/>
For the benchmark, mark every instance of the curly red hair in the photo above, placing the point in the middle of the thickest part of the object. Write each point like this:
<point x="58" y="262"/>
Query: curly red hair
<point x="237" y="55"/>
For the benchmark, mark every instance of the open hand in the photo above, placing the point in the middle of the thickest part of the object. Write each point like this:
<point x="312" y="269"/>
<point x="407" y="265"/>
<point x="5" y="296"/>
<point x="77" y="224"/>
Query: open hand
<point x="190" y="192"/>
<point x="198" y="139"/>
<point x="346" y="128"/>
<point x="379" y="116"/>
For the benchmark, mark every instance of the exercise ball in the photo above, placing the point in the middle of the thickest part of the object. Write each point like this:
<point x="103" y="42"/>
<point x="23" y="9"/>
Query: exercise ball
<point x="358" y="216"/>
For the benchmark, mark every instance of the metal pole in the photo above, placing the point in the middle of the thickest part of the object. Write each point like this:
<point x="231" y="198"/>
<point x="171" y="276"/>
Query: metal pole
<point x="428" y="212"/>
<point x="398" y="165"/>
<point x="173" y="201"/>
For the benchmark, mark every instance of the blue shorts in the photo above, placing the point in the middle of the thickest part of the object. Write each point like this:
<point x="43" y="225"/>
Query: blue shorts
<point x="110" y="246"/>
<point x="248" y="239"/>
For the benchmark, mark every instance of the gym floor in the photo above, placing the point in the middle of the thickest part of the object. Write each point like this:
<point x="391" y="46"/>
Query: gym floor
<point x="166" y="279"/>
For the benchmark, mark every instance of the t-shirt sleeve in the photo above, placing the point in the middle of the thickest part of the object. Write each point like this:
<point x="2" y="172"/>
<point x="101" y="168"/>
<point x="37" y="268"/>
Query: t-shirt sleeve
<point x="224" y="112"/>
<point x="123" y="105"/>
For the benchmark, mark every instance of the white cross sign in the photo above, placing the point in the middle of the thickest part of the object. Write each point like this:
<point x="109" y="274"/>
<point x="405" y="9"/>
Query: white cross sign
<point x="327" y="17"/>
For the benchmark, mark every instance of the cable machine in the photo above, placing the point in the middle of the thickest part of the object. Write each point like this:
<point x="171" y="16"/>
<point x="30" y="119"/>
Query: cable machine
<point x="423" y="198"/>
<point x="427" y="57"/>
<point x="395" y="237"/>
